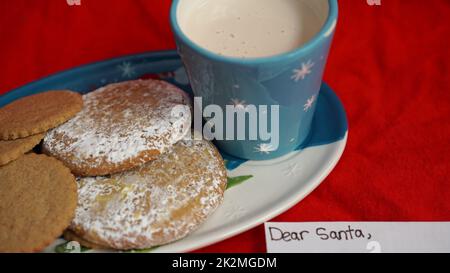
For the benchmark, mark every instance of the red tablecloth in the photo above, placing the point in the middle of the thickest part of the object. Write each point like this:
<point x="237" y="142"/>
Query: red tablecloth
<point x="390" y="66"/>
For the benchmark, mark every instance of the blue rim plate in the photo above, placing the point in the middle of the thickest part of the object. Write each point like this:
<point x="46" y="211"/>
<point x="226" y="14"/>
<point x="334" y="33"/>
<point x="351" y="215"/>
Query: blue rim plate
<point x="269" y="188"/>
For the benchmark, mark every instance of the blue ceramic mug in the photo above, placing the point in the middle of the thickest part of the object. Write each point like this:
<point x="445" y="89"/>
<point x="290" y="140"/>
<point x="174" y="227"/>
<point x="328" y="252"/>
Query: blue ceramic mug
<point x="288" y="84"/>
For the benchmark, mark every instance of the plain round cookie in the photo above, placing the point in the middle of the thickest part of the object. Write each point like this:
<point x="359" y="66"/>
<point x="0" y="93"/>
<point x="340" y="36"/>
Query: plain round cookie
<point x="38" y="198"/>
<point x="38" y="113"/>
<point x="155" y="204"/>
<point x="121" y="126"/>
<point x="12" y="149"/>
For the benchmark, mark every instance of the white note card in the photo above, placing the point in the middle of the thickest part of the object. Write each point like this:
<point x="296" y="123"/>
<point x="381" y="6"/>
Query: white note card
<point x="358" y="237"/>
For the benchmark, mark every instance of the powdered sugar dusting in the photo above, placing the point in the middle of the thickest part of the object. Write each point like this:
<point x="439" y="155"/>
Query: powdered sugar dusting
<point x="161" y="201"/>
<point x="120" y="121"/>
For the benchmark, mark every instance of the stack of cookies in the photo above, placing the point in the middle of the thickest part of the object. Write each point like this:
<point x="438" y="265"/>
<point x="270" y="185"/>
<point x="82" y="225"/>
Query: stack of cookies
<point x="38" y="194"/>
<point x="142" y="181"/>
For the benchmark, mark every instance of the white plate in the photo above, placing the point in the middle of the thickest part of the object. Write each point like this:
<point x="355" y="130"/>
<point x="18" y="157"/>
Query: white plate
<point x="276" y="185"/>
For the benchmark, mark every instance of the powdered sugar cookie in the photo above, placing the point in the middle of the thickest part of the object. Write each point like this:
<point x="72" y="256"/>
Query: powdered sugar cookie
<point x="121" y="126"/>
<point x="155" y="204"/>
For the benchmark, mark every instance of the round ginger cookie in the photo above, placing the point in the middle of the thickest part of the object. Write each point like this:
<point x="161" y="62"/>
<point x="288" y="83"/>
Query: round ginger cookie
<point x="38" y="198"/>
<point x="157" y="203"/>
<point x="12" y="149"/>
<point x="38" y="113"/>
<point x="121" y="126"/>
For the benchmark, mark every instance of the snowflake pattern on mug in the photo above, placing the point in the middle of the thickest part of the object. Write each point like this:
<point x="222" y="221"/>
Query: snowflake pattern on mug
<point x="238" y="104"/>
<point x="264" y="148"/>
<point x="309" y="103"/>
<point x="301" y="73"/>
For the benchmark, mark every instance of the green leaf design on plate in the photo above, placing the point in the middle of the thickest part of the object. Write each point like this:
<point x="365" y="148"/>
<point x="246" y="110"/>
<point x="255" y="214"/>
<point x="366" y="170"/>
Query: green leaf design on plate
<point x="67" y="248"/>
<point x="234" y="181"/>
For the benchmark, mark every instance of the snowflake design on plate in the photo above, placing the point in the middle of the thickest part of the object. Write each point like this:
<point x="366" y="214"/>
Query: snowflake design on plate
<point x="301" y="73"/>
<point x="235" y="212"/>
<point x="264" y="148"/>
<point x="292" y="169"/>
<point x="309" y="103"/>
<point x="127" y="70"/>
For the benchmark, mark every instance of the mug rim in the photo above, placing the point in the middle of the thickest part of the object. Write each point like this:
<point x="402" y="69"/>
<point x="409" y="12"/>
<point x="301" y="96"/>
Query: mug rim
<point x="327" y="29"/>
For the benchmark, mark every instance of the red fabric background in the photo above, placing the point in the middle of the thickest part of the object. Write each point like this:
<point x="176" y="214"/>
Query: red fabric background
<point x="389" y="64"/>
